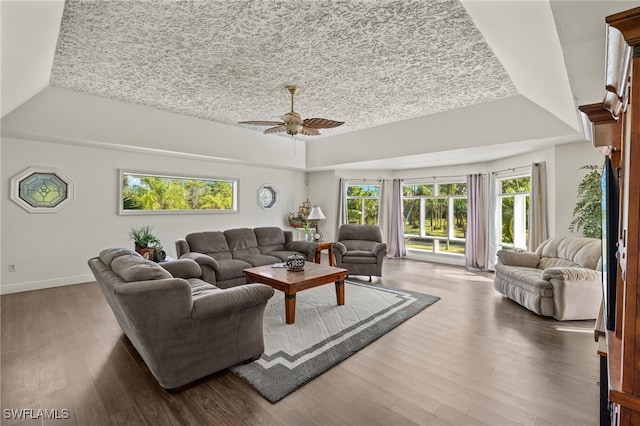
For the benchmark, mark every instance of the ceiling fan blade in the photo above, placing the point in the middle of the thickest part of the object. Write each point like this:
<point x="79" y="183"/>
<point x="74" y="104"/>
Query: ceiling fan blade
<point x="262" y="123"/>
<point x="321" y="123"/>
<point x="308" y="131"/>
<point x="276" y="129"/>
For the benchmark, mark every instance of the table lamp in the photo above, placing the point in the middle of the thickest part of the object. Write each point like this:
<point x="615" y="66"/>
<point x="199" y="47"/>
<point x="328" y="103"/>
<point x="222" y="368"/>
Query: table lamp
<point x="315" y="215"/>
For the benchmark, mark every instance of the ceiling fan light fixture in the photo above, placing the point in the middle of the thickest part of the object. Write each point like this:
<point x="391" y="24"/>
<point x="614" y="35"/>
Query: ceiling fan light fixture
<point x="293" y="124"/>
<point x="292" y="128"/>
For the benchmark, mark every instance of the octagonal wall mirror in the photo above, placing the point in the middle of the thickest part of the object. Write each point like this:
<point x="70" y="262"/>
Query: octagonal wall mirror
<point x="267" y="196"/>
<point x="42" y="190"/>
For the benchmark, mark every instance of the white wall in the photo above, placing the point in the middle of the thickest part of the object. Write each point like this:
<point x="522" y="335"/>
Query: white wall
<point x="65" y="116"/>
<point x="53" y="249"/>
<point x="569" y="159"/>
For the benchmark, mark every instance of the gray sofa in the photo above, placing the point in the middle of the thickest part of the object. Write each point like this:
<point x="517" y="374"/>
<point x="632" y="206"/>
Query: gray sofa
<point x="224" y="255"/>
<point x="360" y="249"/>
<point x="182" y="327"/>
<point x="561" y="279"/>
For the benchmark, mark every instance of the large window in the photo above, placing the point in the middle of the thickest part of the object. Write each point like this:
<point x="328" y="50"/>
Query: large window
<point x="362" y="204"/>
<point x="143" y="193"/>
<point x="513" y="220"/>
<point x="435" y="216"/>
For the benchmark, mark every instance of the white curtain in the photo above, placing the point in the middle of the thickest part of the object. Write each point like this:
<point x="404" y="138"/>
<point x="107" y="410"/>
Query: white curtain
<point x="538" y="206"/>
<point x="342" y="203"/>
<point x="396" y="247"/>
<point x="494" y="222"/>
<point x="475" y="251"/>
<point x="384" y="209"/>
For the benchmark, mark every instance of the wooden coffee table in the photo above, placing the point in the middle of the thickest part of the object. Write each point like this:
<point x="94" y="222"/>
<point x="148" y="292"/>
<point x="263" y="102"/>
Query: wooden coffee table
<point x="290" y="282"/>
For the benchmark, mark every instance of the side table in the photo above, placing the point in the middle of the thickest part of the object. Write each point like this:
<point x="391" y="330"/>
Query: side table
<point x="324" y="245"/>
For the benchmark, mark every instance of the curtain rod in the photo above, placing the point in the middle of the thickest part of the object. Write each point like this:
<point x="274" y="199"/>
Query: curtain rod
<point x="510" y="169"/>
<point x="513" y="169"/>
<point x="414" y="178"/>
<point x="442" y="177"/>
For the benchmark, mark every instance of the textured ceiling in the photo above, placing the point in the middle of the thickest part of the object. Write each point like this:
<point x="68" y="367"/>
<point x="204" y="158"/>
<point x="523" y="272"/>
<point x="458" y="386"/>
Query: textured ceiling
<point x="367" y="63"/>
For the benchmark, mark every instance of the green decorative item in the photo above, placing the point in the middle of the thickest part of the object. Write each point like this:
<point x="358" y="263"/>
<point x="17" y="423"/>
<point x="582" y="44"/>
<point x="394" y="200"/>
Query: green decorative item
<point x="144" y="238"/>
<point x="587" y="214"/>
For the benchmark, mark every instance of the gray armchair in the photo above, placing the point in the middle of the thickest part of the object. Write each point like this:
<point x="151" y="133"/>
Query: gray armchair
<point x="360" y="249"/>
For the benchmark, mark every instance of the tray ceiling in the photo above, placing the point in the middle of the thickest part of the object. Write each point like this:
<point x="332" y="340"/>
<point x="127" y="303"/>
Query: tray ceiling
<point x="367" y="63"/>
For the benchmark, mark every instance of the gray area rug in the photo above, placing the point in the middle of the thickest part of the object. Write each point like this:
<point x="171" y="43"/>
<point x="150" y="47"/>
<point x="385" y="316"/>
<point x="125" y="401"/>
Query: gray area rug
<point x="324" y="333"/>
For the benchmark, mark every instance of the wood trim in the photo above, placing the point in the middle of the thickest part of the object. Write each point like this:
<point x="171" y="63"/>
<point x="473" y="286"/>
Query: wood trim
<point x="597" y="113"/>
<point x="631" y="333"/>
<point x="628" y="23"/>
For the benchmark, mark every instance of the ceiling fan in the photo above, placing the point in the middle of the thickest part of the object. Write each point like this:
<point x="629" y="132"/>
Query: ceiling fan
<point x="293" y="124"/>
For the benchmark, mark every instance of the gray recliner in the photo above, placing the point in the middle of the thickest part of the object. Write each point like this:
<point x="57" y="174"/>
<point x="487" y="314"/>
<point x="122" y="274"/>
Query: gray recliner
<point x="360" y="249"/>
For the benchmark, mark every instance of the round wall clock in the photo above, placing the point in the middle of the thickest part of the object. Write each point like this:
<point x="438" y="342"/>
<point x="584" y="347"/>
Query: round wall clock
<point x="267" y="196"/>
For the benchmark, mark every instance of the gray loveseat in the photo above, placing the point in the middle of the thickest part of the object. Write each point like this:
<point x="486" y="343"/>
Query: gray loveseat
<point x="182" y="327"/>
<point x="224" y="255"/>
<point x="561" y="279"/>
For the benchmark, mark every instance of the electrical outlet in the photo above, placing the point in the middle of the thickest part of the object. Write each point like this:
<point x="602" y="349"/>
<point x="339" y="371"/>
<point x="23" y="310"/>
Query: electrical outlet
<point x="12" y="268"/>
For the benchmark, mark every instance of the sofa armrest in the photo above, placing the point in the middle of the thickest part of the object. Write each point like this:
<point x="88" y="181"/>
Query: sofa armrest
<point x="518" y="258"/>
<point x="308" y="248"/>
<point x="182" y="247"/>
<point x="224" y="302"/>
<point x="202" y="260"/>
<point x="577" y="292"/>
<point x="379" y="249"/>
<point x="208" y="265"/>
<point x="571" y="274"/>
<point x="338" y="248"/>
<point x="183" y="268"/>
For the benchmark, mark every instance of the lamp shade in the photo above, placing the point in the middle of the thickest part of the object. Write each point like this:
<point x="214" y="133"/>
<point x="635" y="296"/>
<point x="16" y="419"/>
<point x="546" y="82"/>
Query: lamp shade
<point x="316" y="214"/>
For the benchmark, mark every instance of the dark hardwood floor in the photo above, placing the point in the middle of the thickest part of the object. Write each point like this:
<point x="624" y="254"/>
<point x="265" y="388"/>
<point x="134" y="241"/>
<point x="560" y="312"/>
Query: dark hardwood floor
<point x="473" y="358"/>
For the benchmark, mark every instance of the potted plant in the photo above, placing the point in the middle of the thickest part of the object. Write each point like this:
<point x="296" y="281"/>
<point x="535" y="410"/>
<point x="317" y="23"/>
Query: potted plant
<point x="307" y="230"/>
<point x="587" y="214"/>
<point x="143" y="238"/>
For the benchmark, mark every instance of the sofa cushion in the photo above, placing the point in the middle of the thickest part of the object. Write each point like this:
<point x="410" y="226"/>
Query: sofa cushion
<point x="518" y="258"/>
<point x="529" y="279"/>
<point x="570" y="251"/>
<point x="283" y="254"/>
<point x="242" y="242"/>
<point x="199" y="287"/>
<point x="269" y="239"/>
<point x="212" y="243"/>
<point x="359" y="245"/>
<point x="260" y="259"/>
<point x="231" y="268"/>
<point x="107" y="255"/>
<point x="134" y="268"/>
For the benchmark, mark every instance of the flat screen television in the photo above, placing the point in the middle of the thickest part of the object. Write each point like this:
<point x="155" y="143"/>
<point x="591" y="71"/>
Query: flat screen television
<point x="610" y="218"/>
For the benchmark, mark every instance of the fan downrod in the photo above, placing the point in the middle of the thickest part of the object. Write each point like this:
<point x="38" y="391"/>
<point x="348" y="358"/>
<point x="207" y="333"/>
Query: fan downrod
<point x="293" y="90"/>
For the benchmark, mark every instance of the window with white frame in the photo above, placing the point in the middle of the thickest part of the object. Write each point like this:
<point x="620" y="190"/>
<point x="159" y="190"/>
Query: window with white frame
<point x="362" y="204"/>
<point x="513" y="217"/>
<point x="435" y="216"/>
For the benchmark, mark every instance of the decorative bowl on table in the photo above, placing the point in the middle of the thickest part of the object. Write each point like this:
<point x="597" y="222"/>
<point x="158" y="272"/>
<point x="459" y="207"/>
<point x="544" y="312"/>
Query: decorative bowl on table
<point x="295" y="262"/>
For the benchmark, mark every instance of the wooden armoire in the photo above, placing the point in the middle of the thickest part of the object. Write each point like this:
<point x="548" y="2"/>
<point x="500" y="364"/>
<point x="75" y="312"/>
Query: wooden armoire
<point x="616" y="128"/>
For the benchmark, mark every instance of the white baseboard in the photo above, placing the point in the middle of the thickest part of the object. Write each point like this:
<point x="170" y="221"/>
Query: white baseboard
<point x="39" y="285"/>
<point x="424" y="256"/>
